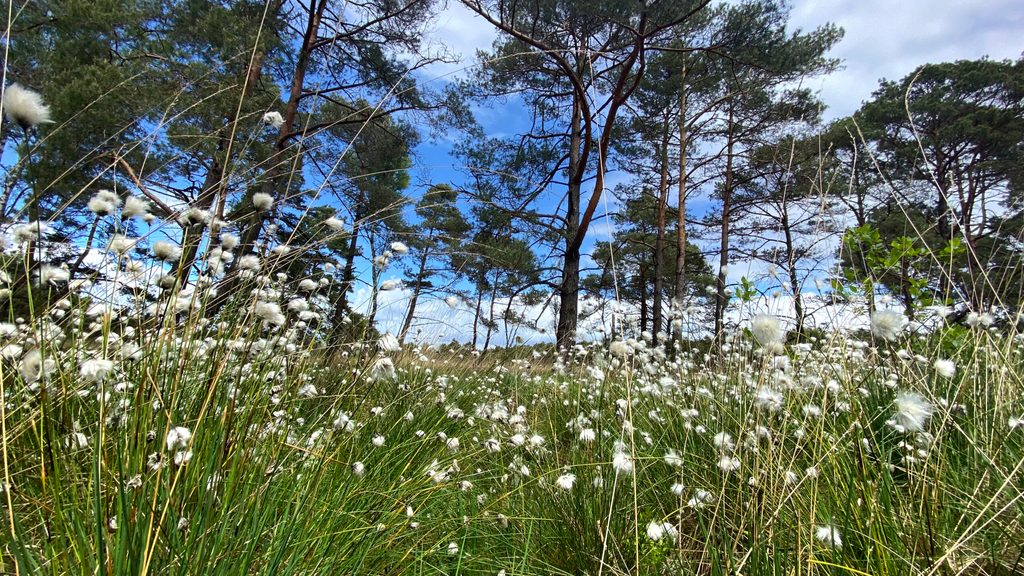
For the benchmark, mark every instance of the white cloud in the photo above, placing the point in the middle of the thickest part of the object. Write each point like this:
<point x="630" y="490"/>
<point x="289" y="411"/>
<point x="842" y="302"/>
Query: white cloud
<point x="886" y="39"/>
<point x="460" y="33"/>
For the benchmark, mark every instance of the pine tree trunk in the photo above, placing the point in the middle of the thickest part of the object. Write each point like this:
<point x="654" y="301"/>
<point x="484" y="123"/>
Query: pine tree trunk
<point x="191" y="238"/>
<point x="641" y="283"/>
<point x="375" y="274"/>
<point x="476" y="316"/>
<point x="416" y="288"/>
<point x="723" y="257"/>
<point x="659" y="241"/>
<point x="490" y="315"/>
<point x="794" y="282"/>
<point x="681" y="198"/>
<point x="251" y="230"/>
<point x="214" y="183"/>
<point x="568" y="291"/>
<point x="348" y="274"/>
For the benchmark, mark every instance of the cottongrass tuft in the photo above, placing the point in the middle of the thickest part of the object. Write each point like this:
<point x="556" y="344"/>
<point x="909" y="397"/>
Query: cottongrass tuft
<point x="273" y="119"/>
<point x="104" y="203"/>
<point x="887" y="324"/>
<point x="35" y="367"/>
<point x="728" y="464"/>
<point x="912" y="412"/>
<point x="389" y="343"/>
<point x="945" y="368"/>
<point x="135" y="207"/>
<point x="382" y="369"/>
<point x="121" y="244"/>
<point x="178" y="438"/>
<point x="96" y="369"/>
<point x="25" y="107"/>
<point x="566" y="481"/>
<point x="269" y="312"/>
<point x="622" y="462"/>
<point x="335" y="224"/>
<point x="31" y="232"/>
<point x="619" y="348"/>
<point x="166" y="251"/>
<point x="767" y="330"/>
<point x="828" y="535"/>
<point x="262" y="201"/>
<point x="769" y="400"/>
<point x="658" y="530"/>
<point x="49" y="275"/>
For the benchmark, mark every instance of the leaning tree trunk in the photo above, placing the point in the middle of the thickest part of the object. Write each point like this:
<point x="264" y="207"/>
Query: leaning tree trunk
<point x="476" y="315"/>
<point x="723" y="256"/>
<point x="271" y="178"/>
<point x="214" y="185"/>
<point x="794" y="282"/>
<point x="568" y="290"/>
<point x="348" y="274"/>
<point x="490" y="314"/>
<point x="375" y="274"/>
<point x="191" y="235"/>
<point x="416" y="288"/>
<point x="659" y="241"/>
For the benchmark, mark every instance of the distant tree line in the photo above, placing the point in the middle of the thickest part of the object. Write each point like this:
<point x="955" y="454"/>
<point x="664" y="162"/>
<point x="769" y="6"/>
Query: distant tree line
<point x="287" y="131"/>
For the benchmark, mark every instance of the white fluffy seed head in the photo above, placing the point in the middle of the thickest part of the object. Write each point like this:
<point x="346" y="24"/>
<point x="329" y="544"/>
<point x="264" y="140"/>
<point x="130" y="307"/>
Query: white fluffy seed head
<point x="273" y="119"/>
<point x="389" y="343"/>
<point x="829" y="536"/>
<point x="166" y="251"/>
<point x="178" y="438"/>
<point x="566" y="481"/>
<point x="767" y="329"/>
<point x="25" y="107"/>
<point x="945" y="368"/>
<point x="269" y="312"/>
<point x="887" y="324"/>
<point x="262" y="201"/>
<point x="121" y="244"/>
<point x="912" y="411"/>
<point x="135" y="207"/>
<point x="335" y="224"/>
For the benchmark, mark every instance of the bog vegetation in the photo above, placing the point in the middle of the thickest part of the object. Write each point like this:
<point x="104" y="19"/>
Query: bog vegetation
<point x="207" y="207"/>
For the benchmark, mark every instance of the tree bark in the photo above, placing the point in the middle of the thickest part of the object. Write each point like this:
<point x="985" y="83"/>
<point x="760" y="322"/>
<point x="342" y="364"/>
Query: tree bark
<point x="476" y="316"/>
<point x="214" y="182"/>
<point x="681" y="215"/>
<point x="568" y="291"/>
<point x="251" y="231"/>
<point x="348" y="274"/>
<point x="659" y="241"/>
<point x="641" y="283"/>
<point x="723" y="256"/>
<point x="490" y="314"/>
<point x="375" y="274"/>
<point x="416" y="288"/>
<point x="794" y="282"/>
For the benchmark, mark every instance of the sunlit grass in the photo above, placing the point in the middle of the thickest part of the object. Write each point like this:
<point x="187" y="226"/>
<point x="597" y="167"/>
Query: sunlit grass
<point x="299" y="461"/>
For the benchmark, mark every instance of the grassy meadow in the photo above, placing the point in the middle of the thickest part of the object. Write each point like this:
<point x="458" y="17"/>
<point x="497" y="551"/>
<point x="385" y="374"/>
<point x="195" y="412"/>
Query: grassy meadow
<point x="132" y="446"/>
<point x="211" y="210"/>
